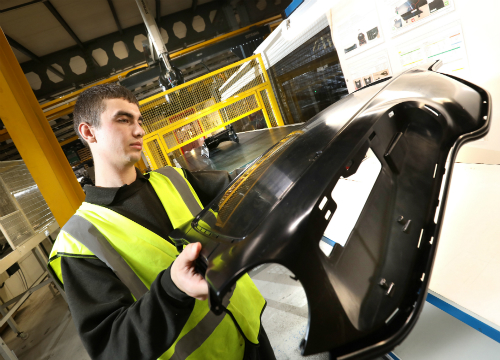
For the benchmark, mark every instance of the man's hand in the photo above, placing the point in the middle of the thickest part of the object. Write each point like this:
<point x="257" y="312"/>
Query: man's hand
<point x="185" y="276"/>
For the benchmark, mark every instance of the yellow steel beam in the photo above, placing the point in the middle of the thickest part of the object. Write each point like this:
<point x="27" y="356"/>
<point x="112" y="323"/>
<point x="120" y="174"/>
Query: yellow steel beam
<point x="4" y="135"/>
<point x="274" y="105"/>
<point x="260" y="100"/>
<point x="59" y="111"/>
<point x="67" y="141"/>
<point x="35" y="140"/>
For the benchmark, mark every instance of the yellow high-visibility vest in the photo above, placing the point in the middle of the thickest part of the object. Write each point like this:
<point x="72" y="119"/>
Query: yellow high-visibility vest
<point x="147" y="254"/>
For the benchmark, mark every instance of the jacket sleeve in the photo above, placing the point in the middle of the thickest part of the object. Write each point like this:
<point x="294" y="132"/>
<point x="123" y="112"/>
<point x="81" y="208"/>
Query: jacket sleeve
<point x="110" y="324"/>
<point x="209" y="183"/>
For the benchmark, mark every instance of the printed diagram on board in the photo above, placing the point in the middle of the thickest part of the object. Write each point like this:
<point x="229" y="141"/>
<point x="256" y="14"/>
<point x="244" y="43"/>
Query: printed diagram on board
<point x="446" y="45"/>
<point x="406" y="14"/>
<point x="370" y="69"/>
<point x="359" y="32"/>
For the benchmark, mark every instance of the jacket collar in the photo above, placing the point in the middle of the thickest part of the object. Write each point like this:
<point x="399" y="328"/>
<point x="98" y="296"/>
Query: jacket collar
<point x="105" y="196"/>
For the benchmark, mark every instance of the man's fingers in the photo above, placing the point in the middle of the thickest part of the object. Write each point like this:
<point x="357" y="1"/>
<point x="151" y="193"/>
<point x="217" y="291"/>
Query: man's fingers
<point x="192" y="251"/>
<point x="184" y="276"/>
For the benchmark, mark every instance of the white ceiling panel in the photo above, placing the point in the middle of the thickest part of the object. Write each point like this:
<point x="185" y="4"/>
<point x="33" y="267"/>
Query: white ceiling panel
<point x="170" y="7"/>
<point x="89" y="19"/>
<point x="36" y="29"/>
<point x="128" y="12"/>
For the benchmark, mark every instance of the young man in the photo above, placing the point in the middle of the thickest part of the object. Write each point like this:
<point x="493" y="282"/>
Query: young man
<point x="147" y="306"/>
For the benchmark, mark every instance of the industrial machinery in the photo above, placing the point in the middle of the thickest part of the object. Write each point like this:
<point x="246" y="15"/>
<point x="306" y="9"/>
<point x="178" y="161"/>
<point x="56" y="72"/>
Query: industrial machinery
<point x="170" y="77"/>
<point x="157" y="58"/>
<point x="395" y="141"/>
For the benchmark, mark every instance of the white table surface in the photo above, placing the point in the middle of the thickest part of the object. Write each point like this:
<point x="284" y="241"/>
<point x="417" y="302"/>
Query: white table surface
<point x="467" y="266"/>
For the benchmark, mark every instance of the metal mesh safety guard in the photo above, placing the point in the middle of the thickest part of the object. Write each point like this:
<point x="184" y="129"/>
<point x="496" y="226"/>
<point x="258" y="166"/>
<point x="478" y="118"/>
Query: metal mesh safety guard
<point x="23" y="210"/>
<point x="181" y="115"/>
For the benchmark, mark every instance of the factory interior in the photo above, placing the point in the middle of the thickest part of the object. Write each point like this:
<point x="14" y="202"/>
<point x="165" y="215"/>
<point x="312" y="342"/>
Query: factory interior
<point x="359" y="157"/>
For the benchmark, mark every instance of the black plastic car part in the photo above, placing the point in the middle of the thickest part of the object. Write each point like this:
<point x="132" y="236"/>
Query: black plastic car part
<point x="211" y="142"/>
<point x="365" y="297"/>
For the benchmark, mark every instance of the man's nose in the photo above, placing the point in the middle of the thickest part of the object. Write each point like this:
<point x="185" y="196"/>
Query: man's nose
<point x="138" y="130"/>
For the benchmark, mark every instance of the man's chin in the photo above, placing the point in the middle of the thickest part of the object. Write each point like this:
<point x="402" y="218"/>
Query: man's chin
<point x="132" y="159"/>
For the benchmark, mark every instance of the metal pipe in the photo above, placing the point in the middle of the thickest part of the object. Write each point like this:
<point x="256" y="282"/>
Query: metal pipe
<point x="154" y="33"/>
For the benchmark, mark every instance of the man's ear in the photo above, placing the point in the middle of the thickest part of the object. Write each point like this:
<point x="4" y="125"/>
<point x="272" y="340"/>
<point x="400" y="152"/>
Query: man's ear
<point x="87" y="132"/>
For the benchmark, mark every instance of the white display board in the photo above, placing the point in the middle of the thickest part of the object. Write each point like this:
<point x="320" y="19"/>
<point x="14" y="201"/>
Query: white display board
<point x="400" y="47"/>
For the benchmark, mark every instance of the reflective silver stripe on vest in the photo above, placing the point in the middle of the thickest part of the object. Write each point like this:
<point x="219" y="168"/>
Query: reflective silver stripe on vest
<point x="201" y="332"/>
<point x="180" y="184"/>
<point x="87" y="234"/>
<point x="182" y="188"/>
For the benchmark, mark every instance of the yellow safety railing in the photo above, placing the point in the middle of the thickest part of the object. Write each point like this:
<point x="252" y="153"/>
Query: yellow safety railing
<point x="181" y="115"/>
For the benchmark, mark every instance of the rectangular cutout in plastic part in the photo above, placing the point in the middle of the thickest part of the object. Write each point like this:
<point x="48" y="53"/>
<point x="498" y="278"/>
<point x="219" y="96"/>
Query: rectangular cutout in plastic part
<point x="323" y="203"/>
<point x="325" y="247"/>
<point x="350" y="195"/>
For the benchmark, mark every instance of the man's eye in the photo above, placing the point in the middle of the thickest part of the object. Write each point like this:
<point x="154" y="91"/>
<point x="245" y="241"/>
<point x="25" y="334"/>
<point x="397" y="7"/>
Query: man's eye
<point x="122" y="120"/>
<point x="140" y="123"/>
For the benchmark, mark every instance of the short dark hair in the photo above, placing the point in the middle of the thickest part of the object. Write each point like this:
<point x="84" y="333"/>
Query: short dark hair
<point x="90" y="104"/>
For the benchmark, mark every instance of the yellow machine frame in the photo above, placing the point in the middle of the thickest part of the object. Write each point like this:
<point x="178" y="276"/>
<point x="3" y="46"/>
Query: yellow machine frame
<point x="196" y="120"/>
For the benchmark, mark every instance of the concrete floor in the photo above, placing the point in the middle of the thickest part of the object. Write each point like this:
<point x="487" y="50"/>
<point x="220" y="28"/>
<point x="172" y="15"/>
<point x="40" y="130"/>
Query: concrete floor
<point x="52" y="334"/>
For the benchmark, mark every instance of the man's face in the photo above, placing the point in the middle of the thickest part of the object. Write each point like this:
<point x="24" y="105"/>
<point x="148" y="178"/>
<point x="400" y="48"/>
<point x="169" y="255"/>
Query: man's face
<point x="119" y="136"/>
